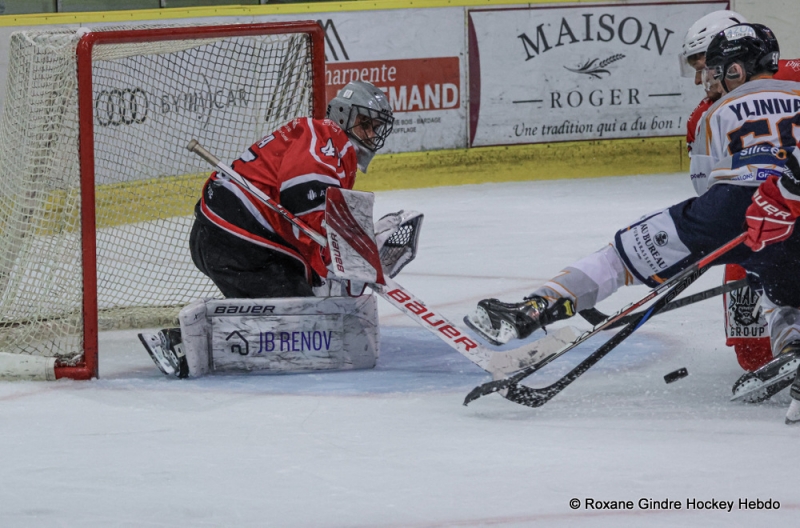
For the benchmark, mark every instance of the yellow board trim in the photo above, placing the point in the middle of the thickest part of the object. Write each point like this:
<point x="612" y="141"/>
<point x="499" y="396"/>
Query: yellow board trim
<point x="170" y="196"/>
<point x="125" y="203"/>
<point x="542" y="161"/>
<point x="253" y="10"/>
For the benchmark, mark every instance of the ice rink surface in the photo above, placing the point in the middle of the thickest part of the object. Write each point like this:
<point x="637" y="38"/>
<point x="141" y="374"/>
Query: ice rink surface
<point x="394" y="447"/>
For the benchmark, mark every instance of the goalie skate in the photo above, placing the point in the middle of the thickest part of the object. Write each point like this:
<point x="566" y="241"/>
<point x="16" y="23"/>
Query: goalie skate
<point x="765" y="382"/>
<point x="166" y="349"/>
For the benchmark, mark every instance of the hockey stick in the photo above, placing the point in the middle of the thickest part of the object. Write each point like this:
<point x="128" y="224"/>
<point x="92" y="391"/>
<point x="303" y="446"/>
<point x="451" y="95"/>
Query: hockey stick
<point x="498" y="364"/>
<point x="594" y="316"/>
<point x="537" y="397"/>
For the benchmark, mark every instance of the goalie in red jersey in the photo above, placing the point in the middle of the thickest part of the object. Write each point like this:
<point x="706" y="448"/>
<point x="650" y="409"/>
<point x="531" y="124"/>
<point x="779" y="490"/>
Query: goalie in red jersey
<point x="282" y="310"/>
<point x="248" y="250"/>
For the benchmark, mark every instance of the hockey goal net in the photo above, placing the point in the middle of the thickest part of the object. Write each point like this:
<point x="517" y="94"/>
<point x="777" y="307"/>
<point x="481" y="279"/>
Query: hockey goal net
<point x="98" y="188"/>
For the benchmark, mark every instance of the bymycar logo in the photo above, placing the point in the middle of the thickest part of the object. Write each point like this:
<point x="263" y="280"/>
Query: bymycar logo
<point x="198" y="99"/>
<point x="431" y="318"/>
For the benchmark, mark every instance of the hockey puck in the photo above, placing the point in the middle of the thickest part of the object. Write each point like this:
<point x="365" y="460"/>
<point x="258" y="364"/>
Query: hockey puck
<point x="676" y="375"/>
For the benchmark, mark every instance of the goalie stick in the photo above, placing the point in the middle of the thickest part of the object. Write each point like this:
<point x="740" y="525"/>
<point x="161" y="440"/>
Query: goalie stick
<point x="510" y="388"/>
<point x="594" y="316"/>
<point x="498" y="364"/>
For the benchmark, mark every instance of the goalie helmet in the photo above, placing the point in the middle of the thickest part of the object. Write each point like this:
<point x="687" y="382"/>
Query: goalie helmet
<point x="702" y="32"/>
<point x="753" y="46"/>
<point x="363" y="112"/>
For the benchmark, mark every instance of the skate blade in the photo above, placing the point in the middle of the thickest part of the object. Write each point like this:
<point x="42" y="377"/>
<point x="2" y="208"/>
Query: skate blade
<point x="481" y="332"/>
<point x="152" y="344"/>
<point x="756" y="388"/>
<point x="480" y="322"/>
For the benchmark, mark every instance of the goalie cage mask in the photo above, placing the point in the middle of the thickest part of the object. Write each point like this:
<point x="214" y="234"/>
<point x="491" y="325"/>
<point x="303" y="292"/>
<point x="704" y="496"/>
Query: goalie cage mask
<point x="365" y="115"/>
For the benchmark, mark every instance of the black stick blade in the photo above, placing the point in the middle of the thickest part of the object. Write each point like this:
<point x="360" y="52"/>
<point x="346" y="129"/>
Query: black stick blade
<point x="487" y="388"/>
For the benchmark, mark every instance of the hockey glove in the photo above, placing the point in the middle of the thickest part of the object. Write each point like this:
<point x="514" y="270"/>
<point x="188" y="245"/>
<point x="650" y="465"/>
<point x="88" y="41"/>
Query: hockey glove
<point x="769" y="218"/>
<point x="397" y="237"/>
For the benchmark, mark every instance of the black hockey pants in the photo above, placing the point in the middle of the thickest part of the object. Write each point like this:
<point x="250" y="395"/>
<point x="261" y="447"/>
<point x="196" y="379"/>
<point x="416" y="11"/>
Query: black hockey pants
<point x="241" y="269"/>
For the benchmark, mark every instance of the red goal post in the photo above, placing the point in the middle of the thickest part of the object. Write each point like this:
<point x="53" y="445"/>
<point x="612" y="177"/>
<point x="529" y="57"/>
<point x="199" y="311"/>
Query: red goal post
<point x="138" y="96"/>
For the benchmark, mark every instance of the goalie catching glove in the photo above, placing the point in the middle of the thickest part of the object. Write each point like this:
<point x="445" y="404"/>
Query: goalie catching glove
<point x="397" y="236"/>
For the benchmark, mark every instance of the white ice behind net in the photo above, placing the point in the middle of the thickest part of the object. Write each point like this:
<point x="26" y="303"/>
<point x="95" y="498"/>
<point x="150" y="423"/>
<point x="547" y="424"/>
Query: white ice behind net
<point x="150" y="100"/>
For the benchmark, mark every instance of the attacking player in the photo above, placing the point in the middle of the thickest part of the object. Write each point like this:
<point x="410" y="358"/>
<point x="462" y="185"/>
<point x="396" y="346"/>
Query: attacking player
<point x="251" y="252"/>
<point x="745" y="324"/>
<point x="747" y="137"/>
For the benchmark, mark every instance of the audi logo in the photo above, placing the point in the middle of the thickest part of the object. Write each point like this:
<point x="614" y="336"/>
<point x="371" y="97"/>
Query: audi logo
<point x="116" y="107"/>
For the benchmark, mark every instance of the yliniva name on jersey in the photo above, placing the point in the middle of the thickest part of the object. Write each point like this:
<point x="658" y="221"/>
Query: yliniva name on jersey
<point x="765" y="107"/>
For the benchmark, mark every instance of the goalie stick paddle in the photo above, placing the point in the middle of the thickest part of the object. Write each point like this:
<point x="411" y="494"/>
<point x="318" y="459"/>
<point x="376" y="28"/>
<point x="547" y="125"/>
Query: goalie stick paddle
<point x="509" y="387"/>
<point x="496" y="363"/>
<point x="594" y="316"/>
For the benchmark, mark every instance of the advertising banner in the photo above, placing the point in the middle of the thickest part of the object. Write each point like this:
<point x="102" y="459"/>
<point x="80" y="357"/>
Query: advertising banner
<point x="416" y="56"/>
<point x="551" y="73"/>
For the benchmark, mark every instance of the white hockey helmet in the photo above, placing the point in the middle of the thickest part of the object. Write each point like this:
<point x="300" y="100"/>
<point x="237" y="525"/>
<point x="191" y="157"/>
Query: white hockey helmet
<point x="364" y="113"/>
<point x="700" y="34"/>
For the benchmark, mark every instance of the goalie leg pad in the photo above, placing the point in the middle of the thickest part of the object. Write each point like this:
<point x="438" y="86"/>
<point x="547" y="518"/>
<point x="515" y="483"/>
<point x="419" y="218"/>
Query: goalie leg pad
<point x="280" y="335"/>
<point x="195" y="330"/>
<point x="293" y="334"/>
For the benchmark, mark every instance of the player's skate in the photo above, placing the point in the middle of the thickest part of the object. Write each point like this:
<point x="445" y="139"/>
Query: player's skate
<point x="166" y="349"/>
<point x="763" y="383"/>
<point x="500" y="322"/>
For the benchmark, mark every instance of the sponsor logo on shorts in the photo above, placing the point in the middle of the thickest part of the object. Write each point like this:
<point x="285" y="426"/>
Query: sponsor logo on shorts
<point x="661" y="238"/>
<point x="649" y="254"/>
<point x="763" y="174"/>
<point x="743" y="318"/>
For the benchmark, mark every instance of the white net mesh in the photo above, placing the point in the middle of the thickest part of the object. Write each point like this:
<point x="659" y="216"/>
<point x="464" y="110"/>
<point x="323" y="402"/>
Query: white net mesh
<point x="150" y="100"/>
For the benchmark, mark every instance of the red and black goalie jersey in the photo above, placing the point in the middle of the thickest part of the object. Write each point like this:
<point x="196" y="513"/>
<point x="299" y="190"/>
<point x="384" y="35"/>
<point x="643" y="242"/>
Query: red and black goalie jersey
<point x="295" y="165"/>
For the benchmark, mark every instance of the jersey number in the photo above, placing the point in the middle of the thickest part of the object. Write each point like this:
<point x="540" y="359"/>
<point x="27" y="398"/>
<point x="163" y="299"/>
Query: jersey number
<point x="762" y="127"/>
<point x="329" y="149"/>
